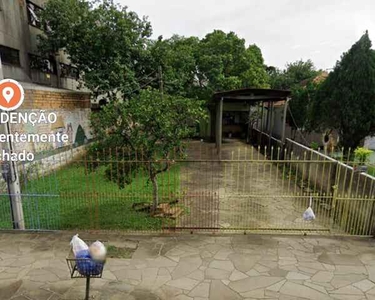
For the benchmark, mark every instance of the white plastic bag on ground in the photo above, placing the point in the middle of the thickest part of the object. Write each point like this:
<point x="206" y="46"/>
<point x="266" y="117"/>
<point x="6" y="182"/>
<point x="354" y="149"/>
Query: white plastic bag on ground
<point x="98" y="251"/>
<point x="309" y="215"/>
<point x="78" y="245"/>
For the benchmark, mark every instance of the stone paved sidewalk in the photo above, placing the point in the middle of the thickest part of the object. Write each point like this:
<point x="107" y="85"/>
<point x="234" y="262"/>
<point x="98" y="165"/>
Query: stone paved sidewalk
<point x="194" y="267"/>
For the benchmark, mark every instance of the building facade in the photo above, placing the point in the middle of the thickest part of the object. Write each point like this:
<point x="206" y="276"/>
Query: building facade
<point x="19" y="30"/>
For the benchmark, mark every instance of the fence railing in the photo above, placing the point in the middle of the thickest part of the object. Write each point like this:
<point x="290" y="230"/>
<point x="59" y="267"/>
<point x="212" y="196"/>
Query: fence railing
<point x="249" y="188"/>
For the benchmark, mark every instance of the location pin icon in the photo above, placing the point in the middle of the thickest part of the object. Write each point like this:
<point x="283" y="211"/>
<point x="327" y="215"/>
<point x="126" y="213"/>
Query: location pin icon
<point x="8" y="94"/>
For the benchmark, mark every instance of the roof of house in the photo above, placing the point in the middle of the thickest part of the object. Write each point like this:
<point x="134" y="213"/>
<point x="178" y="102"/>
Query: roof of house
<point x="252" y="95"/>
<point x="317" y="79"/>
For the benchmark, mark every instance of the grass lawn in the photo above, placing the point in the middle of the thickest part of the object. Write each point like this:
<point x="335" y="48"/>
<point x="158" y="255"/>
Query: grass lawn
<point x="71" y="199"/>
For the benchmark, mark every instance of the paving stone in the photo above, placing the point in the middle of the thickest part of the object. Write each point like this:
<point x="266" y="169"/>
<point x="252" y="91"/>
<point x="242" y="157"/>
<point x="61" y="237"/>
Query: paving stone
<point x="298" y="290"/>
<point x="350" y="270"/>
<point x="339" y="259"/>
<point x="128" y="274"/>
<point x="316" y="287"/>
<point x="276" y="272"/>
<point x="219" y="291"/>
<point x="371" y="272"/>
<point x="253" y="283"/>
<point x="297" y="276"/>
<point x="186" y="266"/>
<point x="201" y="290"/>
<point x="255" y="294"/>
<point x="223" y="254"/>
<point x="197" y="275"/>
<point x="348" y="290"/>
<point x="277" y="286"/>
<point x="59" y="287"/>
<point x="183" y="283"/>
<point x="364" y="285"/>
<point x="226" y="265"/>
<point x="244" y="263"/>
<point x="144" y="295"/>
<point x="322" y="276"/>
<point x="216" y="274"/>
<point x="38" y="294"/>
<point x="8" y="288"/>
<point x="346" y="279"/>
<point x="237" y="275"/>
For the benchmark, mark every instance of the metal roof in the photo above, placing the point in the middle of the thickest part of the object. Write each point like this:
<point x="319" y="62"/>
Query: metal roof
<point x="252" y="95"/>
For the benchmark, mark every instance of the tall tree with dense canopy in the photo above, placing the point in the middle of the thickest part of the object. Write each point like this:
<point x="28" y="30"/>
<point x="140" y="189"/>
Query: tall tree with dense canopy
<point x="176" y="57"/>
<point x="105" y="41"/>
<point x="225" y="63"/>
<point x="346" y="100"/>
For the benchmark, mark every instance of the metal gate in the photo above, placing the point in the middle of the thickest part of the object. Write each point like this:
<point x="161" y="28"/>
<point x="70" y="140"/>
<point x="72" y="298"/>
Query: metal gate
<point x="247" y="189"/>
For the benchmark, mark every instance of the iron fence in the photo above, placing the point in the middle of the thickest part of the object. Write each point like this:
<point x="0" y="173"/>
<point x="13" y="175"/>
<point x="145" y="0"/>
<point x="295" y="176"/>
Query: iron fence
<point x="248" y="189"/>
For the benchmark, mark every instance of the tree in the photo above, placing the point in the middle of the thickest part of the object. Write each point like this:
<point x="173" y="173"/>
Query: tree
<point x="150" y="122"/>
<point x="293" y="74"/>
<point x="225" y="63"/>
<point x="105" y="41"/>
<point x="177" y="58"/>
<point x="346" y="100"/>
<point x="298" y="77"/>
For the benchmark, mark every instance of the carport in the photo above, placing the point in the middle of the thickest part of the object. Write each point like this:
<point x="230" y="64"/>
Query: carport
<point x="265" y="98"/>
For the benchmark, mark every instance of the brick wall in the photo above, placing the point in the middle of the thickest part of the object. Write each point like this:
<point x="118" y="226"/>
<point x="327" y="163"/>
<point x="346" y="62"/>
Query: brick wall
<point x="40" y="99"/>
<point x="73" y="112"/>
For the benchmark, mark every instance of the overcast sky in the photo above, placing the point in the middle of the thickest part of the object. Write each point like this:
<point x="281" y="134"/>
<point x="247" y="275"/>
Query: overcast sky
<point x="285" y="30"/>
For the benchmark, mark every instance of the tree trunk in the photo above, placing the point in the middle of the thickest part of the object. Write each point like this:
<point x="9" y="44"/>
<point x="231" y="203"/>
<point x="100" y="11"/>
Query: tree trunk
<point x="155" y="194"/>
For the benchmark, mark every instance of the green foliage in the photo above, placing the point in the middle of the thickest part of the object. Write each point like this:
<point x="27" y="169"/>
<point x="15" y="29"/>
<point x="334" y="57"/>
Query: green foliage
<point x="294" y="74"/>
<point x="177" y="58"/>
<point x="346" y="100"/>
<point x="362" y="155"/>
<point x="314" y="145"/>
<point x="301" y="106"/>
<point x="299" y="78"/>
<point x="225" y="63"/>
<point x="152" y="126"/>
<point x="105" y="41"/>
<point x="112" y="49"/>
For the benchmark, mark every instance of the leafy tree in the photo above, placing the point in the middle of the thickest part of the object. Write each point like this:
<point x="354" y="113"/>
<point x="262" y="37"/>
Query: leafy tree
<point x="293" y="74"/>
<point x="256" y="74"/>
<point x="151" y="123"/>
<point x="177" y="58"/>
<point x="346" y="100"/>
<point x="299" y="78"/>
<point x="301" y="105"/>
<point x="105" y="41"/>
<point x="225" y="63"/>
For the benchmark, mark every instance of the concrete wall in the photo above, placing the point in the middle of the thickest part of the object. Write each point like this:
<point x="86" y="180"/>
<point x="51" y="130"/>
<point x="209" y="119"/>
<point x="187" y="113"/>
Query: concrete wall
<point x="17" y="33"/>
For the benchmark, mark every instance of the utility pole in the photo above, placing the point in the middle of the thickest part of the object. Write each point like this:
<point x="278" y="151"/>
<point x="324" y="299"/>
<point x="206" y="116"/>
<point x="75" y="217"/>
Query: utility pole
<point x="10" y="174"/>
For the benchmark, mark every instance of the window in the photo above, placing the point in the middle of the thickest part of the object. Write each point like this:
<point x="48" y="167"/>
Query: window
<point x="69" y="71"/>
<point x="43" y="64"/>
<point x="9" y="56"/>
<point x="33" y="12"/>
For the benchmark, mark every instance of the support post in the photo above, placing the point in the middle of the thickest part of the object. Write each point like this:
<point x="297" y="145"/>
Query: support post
<point x="12" y="178"/>
<point x="87" y="288"/>
<point x="272" y="116"/>
<point x="284" y="120"/>
<point x="219" y="125"/>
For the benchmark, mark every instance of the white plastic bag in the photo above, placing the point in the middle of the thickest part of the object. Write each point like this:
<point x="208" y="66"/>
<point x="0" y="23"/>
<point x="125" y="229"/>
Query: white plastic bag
<point x="78" y="245"/>
<point x="309" y="215"/>
<point x="98" y="251"/>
